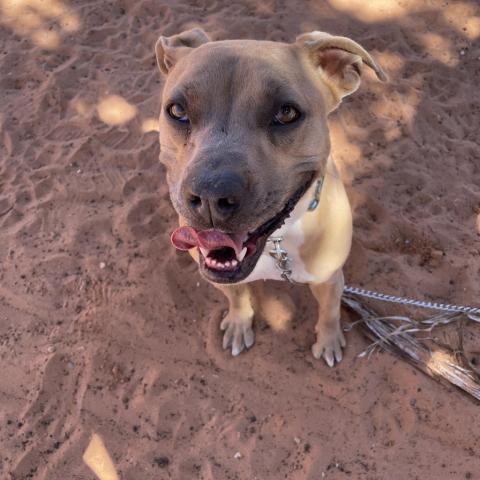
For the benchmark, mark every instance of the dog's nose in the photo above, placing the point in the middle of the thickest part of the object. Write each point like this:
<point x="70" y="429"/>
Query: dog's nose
<point x="215" y="197"/>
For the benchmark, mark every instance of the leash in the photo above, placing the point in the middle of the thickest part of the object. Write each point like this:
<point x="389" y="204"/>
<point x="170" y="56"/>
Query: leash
<point x="410" y="301"/>
<point x="283" y="263"/>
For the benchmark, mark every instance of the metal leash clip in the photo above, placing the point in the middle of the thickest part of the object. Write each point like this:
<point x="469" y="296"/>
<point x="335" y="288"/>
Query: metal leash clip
<point x="281" y="258"/>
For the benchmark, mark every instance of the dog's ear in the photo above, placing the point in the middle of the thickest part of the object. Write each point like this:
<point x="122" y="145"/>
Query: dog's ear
<point x="170" y="49"/>
<point x="338" y="61"/>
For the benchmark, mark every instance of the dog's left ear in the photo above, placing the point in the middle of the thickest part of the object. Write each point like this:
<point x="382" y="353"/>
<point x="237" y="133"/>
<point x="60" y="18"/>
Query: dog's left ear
<point x="170" y="49"/>
<point x="338" y="61"/>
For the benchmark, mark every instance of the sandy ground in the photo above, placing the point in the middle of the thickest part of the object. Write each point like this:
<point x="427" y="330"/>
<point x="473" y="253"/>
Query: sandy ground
<point x="105" y="328"/>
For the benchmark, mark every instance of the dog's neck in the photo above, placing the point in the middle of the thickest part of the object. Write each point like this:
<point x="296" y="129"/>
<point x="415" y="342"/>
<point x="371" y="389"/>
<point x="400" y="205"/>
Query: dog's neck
<point x="308" y="203"/>
<point x="311" y="198"/>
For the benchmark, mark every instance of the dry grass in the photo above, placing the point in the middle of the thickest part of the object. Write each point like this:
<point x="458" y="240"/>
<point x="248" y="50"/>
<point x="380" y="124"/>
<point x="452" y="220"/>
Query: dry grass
<point x="399" y="335"/>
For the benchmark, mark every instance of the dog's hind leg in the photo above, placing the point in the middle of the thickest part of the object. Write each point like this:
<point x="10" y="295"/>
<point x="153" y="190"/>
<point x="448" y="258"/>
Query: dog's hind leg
<point x="330" y="339"/>
<point x="237" y="325"/>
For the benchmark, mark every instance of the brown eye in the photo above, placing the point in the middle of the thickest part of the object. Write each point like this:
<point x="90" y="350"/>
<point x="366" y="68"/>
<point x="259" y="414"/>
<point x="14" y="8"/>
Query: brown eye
<point x="286" y="114"/>
<point x="177" y="112"/>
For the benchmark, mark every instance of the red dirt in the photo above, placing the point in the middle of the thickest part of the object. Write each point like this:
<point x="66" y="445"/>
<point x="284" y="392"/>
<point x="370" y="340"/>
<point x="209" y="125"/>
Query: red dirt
<point x="105" y="328"/>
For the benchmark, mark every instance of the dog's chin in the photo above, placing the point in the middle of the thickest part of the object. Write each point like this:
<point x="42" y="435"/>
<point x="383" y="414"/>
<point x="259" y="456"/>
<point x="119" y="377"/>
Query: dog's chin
<point x="225" y="265"/>
<point x="241" y="271"/>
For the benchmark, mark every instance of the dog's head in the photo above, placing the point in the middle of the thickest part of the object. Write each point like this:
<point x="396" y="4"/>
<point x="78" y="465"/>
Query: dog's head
<point x="243" y="133"/>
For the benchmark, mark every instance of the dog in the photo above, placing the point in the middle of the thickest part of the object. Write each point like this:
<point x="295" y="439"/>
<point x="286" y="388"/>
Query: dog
<point x="245" y="141"/>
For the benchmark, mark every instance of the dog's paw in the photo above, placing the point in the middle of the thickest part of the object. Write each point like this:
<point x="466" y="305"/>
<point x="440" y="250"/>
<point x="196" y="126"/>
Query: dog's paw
<point x="238" y="334"/>
<point x="329" y="346"/>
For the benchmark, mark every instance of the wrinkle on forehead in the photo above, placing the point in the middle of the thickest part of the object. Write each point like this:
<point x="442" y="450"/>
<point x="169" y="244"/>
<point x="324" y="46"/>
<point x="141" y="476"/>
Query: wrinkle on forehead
<point x="240" y="65"/>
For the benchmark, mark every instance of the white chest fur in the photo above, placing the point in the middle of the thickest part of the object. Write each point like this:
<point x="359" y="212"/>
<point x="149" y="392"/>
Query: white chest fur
<point x="292" y="239"/>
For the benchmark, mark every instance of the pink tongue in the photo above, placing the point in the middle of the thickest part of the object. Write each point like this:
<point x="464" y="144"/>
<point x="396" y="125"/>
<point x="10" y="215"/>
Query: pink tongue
<point x="185" y="238"/>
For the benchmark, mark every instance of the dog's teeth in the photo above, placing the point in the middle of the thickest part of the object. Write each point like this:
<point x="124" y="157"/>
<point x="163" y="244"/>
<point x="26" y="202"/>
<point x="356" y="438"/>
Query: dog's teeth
<point x="204" y="252"/>
<point x="228" y="265"/>
<point x="242" y="254"/>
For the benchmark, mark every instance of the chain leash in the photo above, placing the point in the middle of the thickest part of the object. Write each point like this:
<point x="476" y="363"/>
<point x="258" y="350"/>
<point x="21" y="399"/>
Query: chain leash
<point x="281" y="258"/>
<point x="410" y="301"/>
<point x="283" y="263"/>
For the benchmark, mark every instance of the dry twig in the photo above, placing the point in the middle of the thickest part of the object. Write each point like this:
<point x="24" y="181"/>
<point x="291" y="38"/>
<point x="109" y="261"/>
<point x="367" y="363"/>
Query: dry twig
<point x="396" y="334"/>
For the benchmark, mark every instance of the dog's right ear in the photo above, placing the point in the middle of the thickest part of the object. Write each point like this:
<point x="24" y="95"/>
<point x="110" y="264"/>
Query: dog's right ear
<point x="170" y="49"/>
<point x="338" y="61"/>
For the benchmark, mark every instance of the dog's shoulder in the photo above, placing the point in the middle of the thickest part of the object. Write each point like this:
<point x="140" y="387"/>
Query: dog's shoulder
<point x="328" y="229"/>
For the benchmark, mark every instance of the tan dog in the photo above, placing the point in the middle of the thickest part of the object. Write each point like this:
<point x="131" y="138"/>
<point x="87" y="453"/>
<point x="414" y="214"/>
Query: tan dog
<point x="244" y="137"/>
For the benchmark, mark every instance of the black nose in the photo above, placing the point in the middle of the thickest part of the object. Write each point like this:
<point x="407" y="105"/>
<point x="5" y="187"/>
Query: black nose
<point x="214" y="197"/>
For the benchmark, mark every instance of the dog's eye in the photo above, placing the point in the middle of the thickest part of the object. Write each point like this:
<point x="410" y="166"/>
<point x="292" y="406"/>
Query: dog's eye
<point x="177" y="112"/>
<point x="286" y="114"/>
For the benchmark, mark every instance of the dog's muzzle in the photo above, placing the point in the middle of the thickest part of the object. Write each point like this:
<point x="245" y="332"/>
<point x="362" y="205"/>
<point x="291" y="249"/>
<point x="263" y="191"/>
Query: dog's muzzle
<point x="231" y="257"/>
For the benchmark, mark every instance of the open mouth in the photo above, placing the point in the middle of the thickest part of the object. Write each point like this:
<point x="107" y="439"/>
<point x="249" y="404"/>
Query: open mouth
<point x="231" y="257"/>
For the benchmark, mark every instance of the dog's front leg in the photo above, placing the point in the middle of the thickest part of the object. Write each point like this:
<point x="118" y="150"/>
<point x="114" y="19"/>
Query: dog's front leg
<point x="330" y="339"/>
<point x="237" y="325"/>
